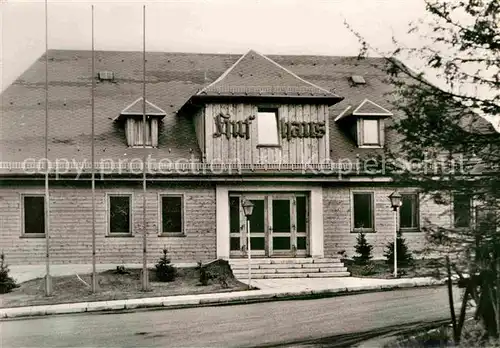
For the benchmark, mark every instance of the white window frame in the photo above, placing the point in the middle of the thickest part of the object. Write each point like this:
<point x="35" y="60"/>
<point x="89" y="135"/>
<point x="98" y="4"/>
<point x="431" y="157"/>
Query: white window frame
<point x="23" y="231"/>
<point x="160" y="215"/>
<point x="419" y="223"/>
<point x="361" y="140"/>
<point x="109" y="233"/>
<point x="276" y="115"/>
<point x="353" y="223"/>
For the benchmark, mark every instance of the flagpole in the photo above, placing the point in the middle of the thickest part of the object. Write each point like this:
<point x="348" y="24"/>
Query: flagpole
<point x="145" y="275"/>
<point x="94" y="274"/>
<point x="48" y="280"/>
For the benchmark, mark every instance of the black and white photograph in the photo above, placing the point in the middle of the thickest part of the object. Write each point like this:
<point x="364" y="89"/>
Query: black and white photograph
<point x="250" y="173"/>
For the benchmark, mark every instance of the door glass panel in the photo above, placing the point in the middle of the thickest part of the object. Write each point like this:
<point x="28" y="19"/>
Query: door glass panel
<point x="281" y="215"/>
<point x="235" y="243"/>
<point x="301" y="243"/>
<point x="234" y="214"/>
<point x="281" y="243"/>
<point x="257" y="243"/>
<point x="301" y="214"/>
<point x="257" y="219"/>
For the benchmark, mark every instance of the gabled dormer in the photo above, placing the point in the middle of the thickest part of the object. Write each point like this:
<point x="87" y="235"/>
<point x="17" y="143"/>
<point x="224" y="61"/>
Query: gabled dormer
<point x="365" y="124"/>
<point x="132" y="118"/>
<point x="259" y="112"/>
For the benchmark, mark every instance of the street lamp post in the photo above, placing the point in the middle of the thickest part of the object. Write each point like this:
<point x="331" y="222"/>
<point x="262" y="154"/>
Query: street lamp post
<point x="396" y="203"/>
<point x="247" y="210"/>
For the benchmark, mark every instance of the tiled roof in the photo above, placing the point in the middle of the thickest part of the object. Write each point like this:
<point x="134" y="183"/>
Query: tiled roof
<point x="136" y="108"/>
<point x="171" y="79"/>
<point x="257" y="75"/>
<point x="367" y="107"/>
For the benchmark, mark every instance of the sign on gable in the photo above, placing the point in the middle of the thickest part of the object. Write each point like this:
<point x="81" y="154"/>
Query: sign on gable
<point x="288" y="129"/>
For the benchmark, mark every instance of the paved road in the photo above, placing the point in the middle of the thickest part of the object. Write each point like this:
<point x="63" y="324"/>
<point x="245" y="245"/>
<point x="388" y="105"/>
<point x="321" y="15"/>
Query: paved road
<point x="261" y="324"/>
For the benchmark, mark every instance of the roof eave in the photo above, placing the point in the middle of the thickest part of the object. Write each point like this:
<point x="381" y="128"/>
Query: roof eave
<point x="124" y="115"/>
<point x="313" y="99"/>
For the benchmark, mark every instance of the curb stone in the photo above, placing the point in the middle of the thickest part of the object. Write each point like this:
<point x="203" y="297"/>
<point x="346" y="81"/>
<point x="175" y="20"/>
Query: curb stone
<point x="186" y="301"/>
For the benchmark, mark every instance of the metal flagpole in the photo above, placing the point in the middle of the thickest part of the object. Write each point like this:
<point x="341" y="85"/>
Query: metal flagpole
<point x="48" y="281"/>
<point x="396" y="242"/>
<point x="94" y="274"/>
<point x="145" y="275"/>
<point x="249" y="252"/>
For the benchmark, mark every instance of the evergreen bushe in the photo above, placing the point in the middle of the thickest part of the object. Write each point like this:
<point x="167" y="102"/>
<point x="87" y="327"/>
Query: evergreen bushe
<point x="165" y="271"/>
<point x="363" y="249"/>
<point x="6" y="281"/>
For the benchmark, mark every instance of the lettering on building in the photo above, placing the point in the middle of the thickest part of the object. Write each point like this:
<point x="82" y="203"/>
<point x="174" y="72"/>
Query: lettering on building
<point x="297" y="129"/>
<point x="289" y="129"/>
<point x="231" y="128"/>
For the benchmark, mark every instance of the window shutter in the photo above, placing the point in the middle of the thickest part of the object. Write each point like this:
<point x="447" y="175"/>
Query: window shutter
<point x="381" y="125"/>
<point x="138" y="133"/>
<point x="154" y="132"/>
<point x="134" y="132"/>
<point x="359" y="138"/>
<point x="129" y="132"/>
<point x="148" y="130"/>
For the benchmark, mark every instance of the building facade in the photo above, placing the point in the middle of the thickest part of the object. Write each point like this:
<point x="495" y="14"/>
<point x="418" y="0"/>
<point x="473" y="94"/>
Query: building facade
<point x="302" y="137"/>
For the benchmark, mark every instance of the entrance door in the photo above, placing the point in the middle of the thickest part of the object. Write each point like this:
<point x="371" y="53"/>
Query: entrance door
<point x="258" y="226"/>
<point x="278" y="225"/>
<point x="280" y="230"/>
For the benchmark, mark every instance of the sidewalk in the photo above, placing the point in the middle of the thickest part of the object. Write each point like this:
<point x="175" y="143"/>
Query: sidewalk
<point x="269" y="290"/>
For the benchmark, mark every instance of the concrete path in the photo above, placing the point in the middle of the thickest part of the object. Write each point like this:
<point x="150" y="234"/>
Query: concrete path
<point x="338" y="284"/>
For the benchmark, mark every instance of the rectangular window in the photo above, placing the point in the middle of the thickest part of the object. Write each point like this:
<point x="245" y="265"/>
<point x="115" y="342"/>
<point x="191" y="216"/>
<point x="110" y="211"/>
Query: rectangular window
<point x="119" y="214"/>
<point x="371" y="132"/>
<point x="486" y="220"/>
<point x="409" y="212"/>
<point x="234" y="222"/>
<point x="267" y="127"/>
<point x="363" y="211"/>
<point x="461" y="211"/>
<point x="139" y="132"/>
<point x="34" y="215"/>
<point x="134" y="131"/>
<point x="172" y="214"/>
<point x="234" y="214"/>
<point x="301" y="214"/>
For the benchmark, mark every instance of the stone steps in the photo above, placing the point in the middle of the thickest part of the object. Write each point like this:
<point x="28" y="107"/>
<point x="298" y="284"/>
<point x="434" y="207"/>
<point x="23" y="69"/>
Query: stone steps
<point x="294" y="275"/>
<point x="287" y="266"/>
<point x="267" y="268"/>
<point x="272" y="261"/>
<point x="290" y="270"/>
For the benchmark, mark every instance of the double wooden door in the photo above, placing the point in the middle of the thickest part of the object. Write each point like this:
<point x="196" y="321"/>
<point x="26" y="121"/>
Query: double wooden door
<point x="278" y="225"/>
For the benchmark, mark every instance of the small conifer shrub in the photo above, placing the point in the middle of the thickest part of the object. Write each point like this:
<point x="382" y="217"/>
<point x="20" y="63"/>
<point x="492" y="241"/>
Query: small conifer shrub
<point x="404" y="256"/>
<point x="363" y="250"/>
<point x="165" y="271"/>
<point x="7" y="283"/>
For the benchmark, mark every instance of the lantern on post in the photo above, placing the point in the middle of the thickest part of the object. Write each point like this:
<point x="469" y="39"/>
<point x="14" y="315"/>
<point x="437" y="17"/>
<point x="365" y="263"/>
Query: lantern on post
<point x="248" y="210"/>
<point x="396" y="203"/>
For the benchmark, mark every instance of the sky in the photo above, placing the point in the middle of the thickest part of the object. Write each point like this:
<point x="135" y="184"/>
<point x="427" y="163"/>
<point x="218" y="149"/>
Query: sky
<point x="208" y="26"/>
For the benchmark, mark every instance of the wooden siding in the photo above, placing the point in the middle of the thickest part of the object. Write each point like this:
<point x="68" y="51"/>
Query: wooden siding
<point x="246" y="151"/>
<point x="71" y="234"/>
